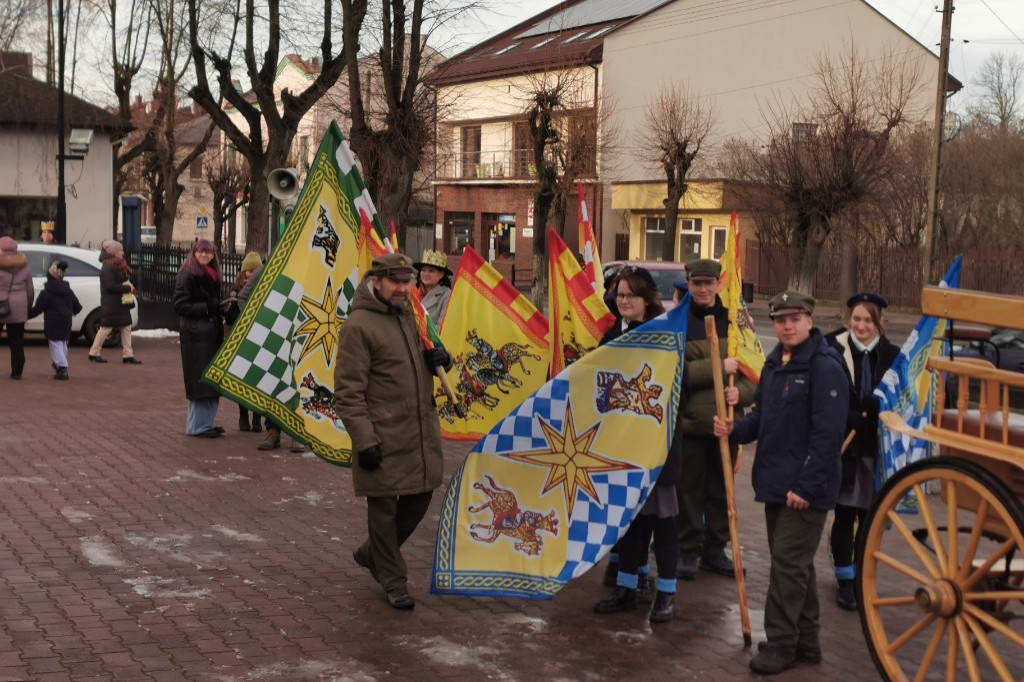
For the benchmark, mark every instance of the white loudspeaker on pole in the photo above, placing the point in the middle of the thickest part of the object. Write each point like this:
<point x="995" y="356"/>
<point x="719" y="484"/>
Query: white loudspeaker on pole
<point x="283" y="184"/>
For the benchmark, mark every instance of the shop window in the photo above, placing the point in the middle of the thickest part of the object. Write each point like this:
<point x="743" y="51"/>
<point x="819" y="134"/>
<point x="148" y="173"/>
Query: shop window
<point x="500" y="230"/>
<point x="654" y="237"/>
<point x="717" y="241"/>
<point x="458" y="231"/>
<point x="689" y="241"/>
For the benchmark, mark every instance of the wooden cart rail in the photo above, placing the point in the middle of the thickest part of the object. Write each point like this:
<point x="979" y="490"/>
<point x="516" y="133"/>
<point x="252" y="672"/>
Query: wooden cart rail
<point x="974" y="306"/>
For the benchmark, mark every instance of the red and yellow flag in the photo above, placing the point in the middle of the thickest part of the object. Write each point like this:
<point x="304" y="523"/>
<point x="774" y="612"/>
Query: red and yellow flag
<point x="579" y="315"/>
<point x="743" y="343"/>
<point x="394" y="238"/>
<point x="588" y="246"/>
<point x="498" y="341"/>
<point x="371" y="244"/>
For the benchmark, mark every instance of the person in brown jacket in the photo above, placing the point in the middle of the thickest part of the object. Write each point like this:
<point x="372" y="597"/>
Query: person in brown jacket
<point x="384" y="382"/>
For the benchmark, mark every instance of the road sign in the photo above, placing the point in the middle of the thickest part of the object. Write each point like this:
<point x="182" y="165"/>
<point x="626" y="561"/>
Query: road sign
<point x="202" y="209"/>
<point x="202" y="222"/>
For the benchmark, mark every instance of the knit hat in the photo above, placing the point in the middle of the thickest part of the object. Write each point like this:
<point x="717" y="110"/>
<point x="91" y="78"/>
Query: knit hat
<point x="111" y="248"/>
<point x="251" y="261"/>
<point x="8" y="244"/>
<point x="58" y="269"/>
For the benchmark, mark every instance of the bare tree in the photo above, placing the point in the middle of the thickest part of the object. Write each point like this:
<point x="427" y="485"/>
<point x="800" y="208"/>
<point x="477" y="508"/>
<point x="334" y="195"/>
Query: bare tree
<point x="569" y="133"/>
<point x="1001" y="80"/>
<point x="830" y="154"/>
<point x="228" y="178"/>
<point x="269" y="127"/>
<point x="672" y="139"/>
<point x="15" y="17"/>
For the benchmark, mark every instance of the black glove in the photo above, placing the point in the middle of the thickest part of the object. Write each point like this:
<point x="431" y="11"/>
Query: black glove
<point x="370" y="458"/>
<point x="213" y="308"/>
<point x="438" y="357"/>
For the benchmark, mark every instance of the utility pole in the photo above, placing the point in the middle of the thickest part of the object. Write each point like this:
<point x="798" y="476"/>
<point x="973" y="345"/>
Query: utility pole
<point x="61" y="232"/>
<point x="935" y="176"/>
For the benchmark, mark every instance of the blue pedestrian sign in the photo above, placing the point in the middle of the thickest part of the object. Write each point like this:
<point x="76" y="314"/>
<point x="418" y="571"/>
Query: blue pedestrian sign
<point x="202" y="222"/>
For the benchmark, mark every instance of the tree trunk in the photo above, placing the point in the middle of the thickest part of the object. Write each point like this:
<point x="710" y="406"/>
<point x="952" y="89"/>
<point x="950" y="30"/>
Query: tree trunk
<point x="807" y="243"/>
<point x="232" y="239"/>
<point x="668" y="244"/>
<point x="218" y="231"/>
<point x="848" y="272"/>
<point x="539" y="290"/>
<point x="258" y="227"/>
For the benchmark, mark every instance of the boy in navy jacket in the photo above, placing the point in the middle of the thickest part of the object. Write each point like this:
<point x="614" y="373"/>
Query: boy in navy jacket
<point x="57" y="304"/>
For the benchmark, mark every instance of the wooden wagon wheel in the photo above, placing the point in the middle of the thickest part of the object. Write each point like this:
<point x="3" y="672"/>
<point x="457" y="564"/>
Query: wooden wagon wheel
<point x="928" y="606"/>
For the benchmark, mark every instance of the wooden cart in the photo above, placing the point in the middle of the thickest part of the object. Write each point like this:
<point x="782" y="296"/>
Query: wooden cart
<point x="940" y="588"/>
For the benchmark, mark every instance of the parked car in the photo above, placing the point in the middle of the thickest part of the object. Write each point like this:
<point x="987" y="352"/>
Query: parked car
<point x="84" y="277"/>
<point x="663" y="272"/>
<point x="1004" y="348"/>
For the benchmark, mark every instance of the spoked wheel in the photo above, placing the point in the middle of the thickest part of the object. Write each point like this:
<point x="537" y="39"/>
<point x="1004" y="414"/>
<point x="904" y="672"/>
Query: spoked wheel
<point x="936" y="587"/>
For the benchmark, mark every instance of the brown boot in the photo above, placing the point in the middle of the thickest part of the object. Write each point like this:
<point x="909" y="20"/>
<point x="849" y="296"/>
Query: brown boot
<point x="272" y="440"/>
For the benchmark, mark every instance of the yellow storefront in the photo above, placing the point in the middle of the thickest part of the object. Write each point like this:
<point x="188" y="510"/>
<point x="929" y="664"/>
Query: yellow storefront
<point x="702" y="223"/>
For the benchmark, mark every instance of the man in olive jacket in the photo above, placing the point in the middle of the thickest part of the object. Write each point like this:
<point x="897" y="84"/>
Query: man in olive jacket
<point x="703" y="521"/>
<point x="383" y="380"/>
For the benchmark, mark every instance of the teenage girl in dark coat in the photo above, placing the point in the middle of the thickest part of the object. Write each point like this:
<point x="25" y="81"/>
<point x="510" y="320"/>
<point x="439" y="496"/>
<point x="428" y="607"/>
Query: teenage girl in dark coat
<point x="638" y="301"/>
<point x="197" y="303"/>
<point x="866" y="355"/>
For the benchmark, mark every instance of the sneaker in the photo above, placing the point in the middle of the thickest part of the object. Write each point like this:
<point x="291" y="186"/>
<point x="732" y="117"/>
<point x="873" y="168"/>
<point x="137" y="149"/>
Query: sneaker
<point x="664" y="609"/>
<point x="622" y="599"/>
<point x="366" y="562"/>
<point x="812" y="656"/>
<point x="645" y="589"/>
<point x="399" y="598"/>
<point x="846" y="597"/>
<point x="721" y="564"/>
<point x="772" y="660"/>
<point x="686" y="566"/>
<point x="62" y="374"/>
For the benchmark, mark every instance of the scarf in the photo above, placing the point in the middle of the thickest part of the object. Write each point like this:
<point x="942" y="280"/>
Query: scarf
<point x="210" y="272"/>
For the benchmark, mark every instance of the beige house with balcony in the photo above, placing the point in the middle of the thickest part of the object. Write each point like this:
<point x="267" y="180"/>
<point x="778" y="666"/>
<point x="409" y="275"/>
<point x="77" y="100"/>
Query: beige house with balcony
<point x="744" y="57"/>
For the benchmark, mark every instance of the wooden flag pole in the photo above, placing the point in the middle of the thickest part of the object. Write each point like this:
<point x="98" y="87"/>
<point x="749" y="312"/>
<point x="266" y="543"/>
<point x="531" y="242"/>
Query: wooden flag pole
<point x="849" y="439"/>
<point x="443" y="376"/>
<point x="730" y="493"/>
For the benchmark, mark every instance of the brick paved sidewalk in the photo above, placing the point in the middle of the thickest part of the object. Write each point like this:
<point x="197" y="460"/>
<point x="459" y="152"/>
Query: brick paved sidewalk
<point x="131" y="552"/>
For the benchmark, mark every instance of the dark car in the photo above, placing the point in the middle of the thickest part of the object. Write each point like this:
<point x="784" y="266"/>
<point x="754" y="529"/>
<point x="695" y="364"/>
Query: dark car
<point x="663" y="272"/>
<point x="1004" y="348"/>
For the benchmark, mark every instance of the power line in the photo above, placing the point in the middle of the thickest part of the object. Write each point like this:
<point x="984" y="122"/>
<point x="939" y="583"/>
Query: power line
<point x="1002" y="22"/>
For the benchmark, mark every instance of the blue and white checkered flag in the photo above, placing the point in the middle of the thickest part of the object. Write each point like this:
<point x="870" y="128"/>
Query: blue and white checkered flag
<point x="548" y="491"/>
<point x="910" y="391"/>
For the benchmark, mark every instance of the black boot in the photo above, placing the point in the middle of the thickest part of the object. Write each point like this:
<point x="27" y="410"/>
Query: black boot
<point x="256" y="428"/>
<point x="644" y="589"/>
<point x="62" y="374"/>
<point x="611" y="574"/>
<point x="664" y="609"/>
<point x="243" y="419"/>
<point x="846" y="597"/>
<point x="622" y="599"/>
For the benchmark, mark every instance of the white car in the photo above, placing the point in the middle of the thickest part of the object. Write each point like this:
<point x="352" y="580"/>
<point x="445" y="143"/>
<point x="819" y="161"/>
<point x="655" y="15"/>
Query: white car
<point x="84" y="277"/>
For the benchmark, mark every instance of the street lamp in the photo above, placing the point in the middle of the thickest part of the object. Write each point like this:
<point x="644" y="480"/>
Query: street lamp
<point x="78" y="142"/>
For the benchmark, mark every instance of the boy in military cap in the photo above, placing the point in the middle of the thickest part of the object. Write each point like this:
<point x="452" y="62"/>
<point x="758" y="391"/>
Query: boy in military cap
<point x="798" y="420"/>
<point x="384" y="395"/>
<point x="702" y="525"/>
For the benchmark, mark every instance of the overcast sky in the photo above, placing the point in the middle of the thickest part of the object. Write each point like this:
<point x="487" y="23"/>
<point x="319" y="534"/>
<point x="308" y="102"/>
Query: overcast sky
<point x="980" y="27"/>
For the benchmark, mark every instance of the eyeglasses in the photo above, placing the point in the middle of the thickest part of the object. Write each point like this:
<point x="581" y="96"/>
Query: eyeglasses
<point x="628" y="297"/>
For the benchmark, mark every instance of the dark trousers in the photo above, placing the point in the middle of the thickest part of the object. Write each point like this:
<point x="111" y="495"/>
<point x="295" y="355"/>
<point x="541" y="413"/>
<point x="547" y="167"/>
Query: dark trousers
<point x="841" y="537"/>
<point x="633" y="547"/>
<point x="16" y="341"/>
<point x="791" y="610"/>
<point x="390" y="521"/>
<point x="703" y="522"/>
<point x="243" y="415"/>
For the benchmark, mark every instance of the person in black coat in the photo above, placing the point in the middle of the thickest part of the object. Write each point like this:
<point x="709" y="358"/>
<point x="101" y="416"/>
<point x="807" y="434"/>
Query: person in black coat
<point x="115" y="304"/>
<point x="198" y="305"/>
<point x="867" y="355"/>
<point x="638" y="301"/>
<point x="798" y="420"/>
<point x="58" y="305"/>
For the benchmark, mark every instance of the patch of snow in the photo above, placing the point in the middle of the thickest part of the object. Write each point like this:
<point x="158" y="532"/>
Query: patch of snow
<point x="98" y="553"/>
<point x="75" y="515"/>
<point x="155" y="334"/>
<point x="231" y="533"/>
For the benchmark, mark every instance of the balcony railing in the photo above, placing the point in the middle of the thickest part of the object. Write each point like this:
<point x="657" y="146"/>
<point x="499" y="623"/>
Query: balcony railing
<point x="509" y="164"/>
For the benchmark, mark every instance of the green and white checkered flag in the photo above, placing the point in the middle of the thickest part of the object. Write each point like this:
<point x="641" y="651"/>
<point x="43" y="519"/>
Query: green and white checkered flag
<point x="279" y="357"/>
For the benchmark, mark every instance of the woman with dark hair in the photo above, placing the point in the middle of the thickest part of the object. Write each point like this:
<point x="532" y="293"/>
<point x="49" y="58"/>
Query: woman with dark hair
<point x="638" y="301"/>
<point x="866" y="355"/>
<point x="17" y="292"/>
<point x="116" y="302"/>
<point x="197" y="303"/>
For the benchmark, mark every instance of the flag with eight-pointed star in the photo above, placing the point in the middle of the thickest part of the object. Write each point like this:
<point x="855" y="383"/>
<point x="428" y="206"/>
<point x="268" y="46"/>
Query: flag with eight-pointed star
<point x="548" y="491"/>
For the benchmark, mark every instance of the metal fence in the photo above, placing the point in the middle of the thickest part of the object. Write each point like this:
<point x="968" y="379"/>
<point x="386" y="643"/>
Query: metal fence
<point x="156" y="268"/>
<point x="893" y="272"/>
